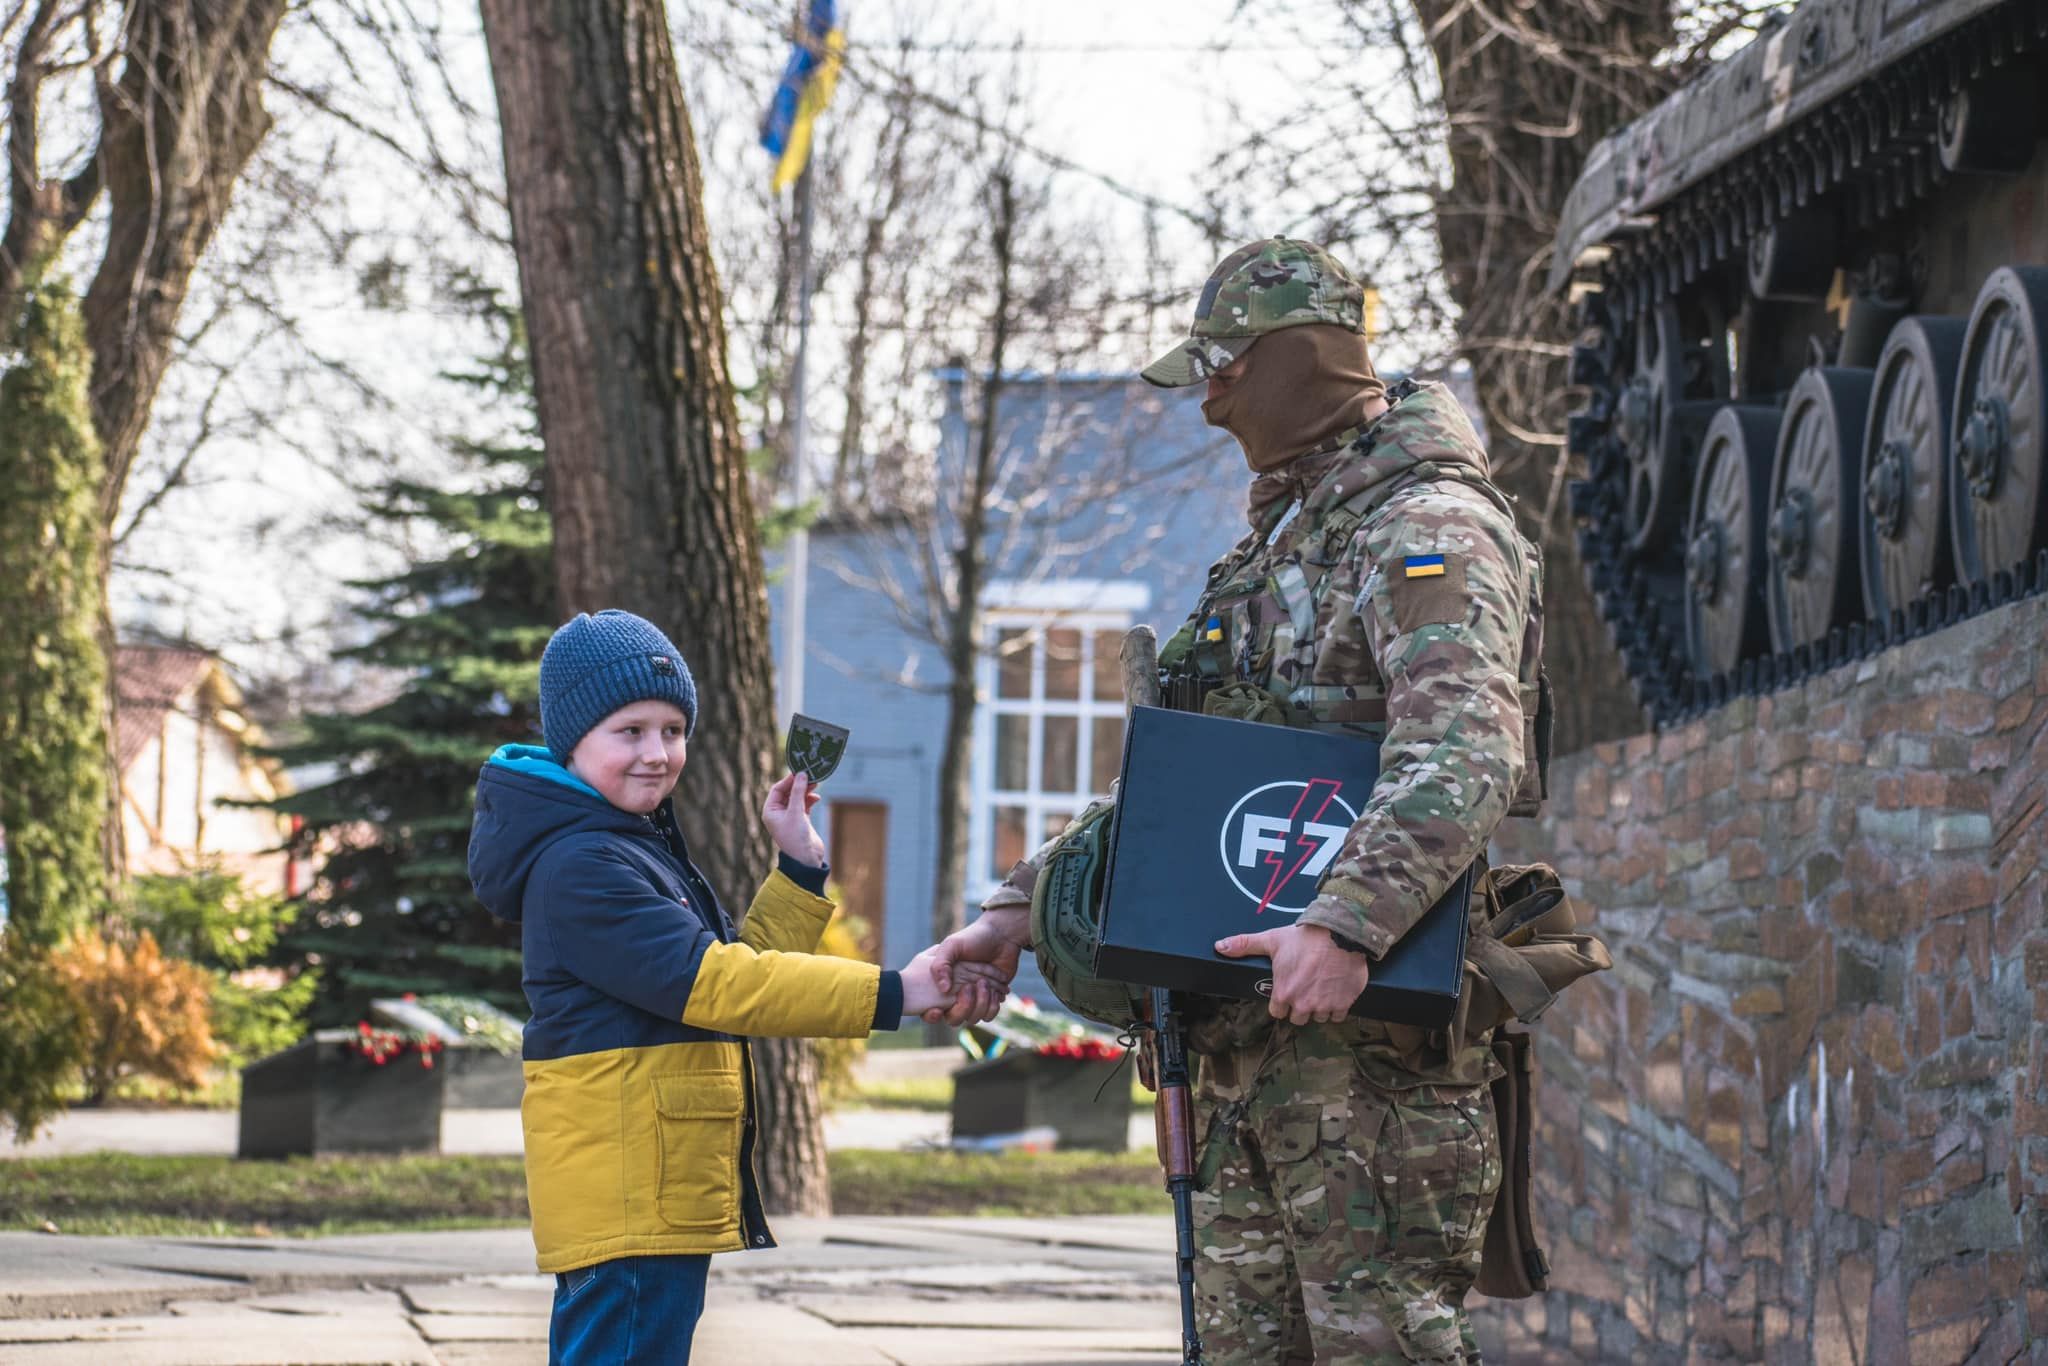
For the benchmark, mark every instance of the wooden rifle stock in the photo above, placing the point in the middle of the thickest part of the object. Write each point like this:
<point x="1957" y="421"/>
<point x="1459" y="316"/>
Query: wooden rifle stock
<point x="1173" y="1123"/>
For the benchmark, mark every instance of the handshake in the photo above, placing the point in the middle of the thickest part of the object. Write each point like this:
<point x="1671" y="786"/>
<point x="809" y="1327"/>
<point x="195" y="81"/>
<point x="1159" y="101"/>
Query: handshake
<point x="964" y="978"/>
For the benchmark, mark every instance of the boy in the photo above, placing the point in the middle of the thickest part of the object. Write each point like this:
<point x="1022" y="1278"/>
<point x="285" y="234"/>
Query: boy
<point x="638" y="1113"/>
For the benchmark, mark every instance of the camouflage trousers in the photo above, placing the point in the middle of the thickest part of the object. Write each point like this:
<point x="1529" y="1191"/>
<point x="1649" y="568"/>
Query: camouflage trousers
<point x="1344" y="1223"/>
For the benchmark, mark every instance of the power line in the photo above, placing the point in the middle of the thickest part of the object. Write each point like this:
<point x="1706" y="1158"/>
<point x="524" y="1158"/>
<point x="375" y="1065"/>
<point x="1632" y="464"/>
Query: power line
<point x="1215" y="47"/>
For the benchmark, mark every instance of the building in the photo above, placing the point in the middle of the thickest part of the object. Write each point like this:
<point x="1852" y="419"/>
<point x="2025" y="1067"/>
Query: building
<point x="186" y="754"/>
<point x="1109" y="498"/>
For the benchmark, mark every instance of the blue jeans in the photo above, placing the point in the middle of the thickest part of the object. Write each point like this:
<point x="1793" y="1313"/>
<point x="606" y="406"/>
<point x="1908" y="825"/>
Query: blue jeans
<point x="630" y="1311"/>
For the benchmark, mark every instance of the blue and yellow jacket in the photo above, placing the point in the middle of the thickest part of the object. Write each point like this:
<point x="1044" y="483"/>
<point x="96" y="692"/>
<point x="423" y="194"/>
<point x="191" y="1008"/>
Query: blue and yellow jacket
<point x="639" y="1114"/>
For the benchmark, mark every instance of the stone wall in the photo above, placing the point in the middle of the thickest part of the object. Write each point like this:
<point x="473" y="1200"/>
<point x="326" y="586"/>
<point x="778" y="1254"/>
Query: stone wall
<point x="1805" y="1118"/>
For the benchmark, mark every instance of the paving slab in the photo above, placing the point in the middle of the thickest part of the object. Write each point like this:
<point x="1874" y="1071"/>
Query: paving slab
<point x="44" y="1280"/>
<point x="528" y="1327"/>
<point x="1159" y="1320"/>
<point x="759" y="1333"/>
<point x="963" y="1277"/>
<point x="1118" y="1232"/>
<point x="491" y="1353"/>
<point x="489" y="1295"/>
<point x="329" y="1303"/>
<point x="64" y="1274"/>
<point x="467" y="1252"/>
<point x="1005" y="1347"/>
<point x="251" y="1338"/>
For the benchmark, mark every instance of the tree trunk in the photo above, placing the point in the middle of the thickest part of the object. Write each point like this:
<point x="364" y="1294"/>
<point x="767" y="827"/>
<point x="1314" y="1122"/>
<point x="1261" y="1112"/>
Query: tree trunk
<point x="178" y="128"/>
<point x="1528" y="90"/>
<point x="970" y="572"/>
<point x="647" y="476"/>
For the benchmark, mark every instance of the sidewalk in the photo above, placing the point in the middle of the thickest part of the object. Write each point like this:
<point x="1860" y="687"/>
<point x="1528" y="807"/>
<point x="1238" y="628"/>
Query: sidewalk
<point x="858" y="1291"/>
<point x="163" y="1132"/>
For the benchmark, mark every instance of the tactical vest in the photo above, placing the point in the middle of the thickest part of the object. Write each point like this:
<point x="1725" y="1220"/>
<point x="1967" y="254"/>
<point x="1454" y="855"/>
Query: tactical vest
<point x="1253" y="634"/>
<point x="1244" y="654"/>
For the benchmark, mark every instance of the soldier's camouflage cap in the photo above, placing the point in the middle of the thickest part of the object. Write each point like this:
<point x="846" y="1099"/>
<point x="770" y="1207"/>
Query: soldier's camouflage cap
<point x="1259" y="288"/>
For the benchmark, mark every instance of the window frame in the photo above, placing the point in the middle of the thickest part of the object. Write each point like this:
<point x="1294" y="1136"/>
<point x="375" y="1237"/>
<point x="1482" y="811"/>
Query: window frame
<point x="1089" y="607"/>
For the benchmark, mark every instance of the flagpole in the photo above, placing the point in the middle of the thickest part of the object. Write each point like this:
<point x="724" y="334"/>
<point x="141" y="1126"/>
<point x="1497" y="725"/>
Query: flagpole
<point x="797" y="587"/>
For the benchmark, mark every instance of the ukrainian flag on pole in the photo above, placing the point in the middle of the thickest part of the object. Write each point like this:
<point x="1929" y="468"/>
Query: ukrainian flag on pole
<point x="805" y="88"/>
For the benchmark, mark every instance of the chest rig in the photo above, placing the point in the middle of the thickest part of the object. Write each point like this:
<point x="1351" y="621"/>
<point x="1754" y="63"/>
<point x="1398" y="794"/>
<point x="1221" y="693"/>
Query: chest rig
<point x="1249" y="650"/>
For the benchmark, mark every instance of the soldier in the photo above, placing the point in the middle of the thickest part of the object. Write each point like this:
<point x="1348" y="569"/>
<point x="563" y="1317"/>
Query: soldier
<point x="1384" y="589"/>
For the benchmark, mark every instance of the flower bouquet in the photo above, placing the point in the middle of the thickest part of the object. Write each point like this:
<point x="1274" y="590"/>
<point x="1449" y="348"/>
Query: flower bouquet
<point x="1022" y="1024"/>
<point x="380" y="1046"/>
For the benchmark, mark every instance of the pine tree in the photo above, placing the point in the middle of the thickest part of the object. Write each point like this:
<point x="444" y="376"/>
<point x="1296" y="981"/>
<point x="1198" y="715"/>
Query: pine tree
<point x="392" y="910"/>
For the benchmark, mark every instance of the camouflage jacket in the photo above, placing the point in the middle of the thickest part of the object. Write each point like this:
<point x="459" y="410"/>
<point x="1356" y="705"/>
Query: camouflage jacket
<point x="1384" y="587"/>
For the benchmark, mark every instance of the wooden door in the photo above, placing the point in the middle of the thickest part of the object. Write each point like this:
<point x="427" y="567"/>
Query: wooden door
<point x="860" y="862"/>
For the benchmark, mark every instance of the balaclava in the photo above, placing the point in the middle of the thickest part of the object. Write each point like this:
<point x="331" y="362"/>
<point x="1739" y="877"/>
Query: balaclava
<point x="1301" y="385"/>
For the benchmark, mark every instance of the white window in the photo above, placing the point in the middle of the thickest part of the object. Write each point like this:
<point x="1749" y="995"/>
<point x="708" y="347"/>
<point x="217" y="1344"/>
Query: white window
<point x="1049" y="734"/>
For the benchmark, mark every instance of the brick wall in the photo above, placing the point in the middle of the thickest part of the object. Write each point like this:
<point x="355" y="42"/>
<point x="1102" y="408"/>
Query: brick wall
<point x="1805" y="1118"/>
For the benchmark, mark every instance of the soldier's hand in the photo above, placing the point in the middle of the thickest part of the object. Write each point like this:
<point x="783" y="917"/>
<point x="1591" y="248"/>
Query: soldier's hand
<point x="979" y="962"/>
<point x="1313" y="979"/>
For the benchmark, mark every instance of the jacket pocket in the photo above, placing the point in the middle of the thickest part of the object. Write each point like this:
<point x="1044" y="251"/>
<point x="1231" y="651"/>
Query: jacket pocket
<point x="697" y="1135"/>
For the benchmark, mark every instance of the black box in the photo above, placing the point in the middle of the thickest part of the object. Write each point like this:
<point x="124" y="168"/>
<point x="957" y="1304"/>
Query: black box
<point x="319" y="1097"/>
<point x="1224" y="827"/>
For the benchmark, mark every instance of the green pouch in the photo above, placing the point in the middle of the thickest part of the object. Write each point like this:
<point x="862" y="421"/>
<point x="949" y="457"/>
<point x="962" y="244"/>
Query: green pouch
<point x="1245" y="702"/>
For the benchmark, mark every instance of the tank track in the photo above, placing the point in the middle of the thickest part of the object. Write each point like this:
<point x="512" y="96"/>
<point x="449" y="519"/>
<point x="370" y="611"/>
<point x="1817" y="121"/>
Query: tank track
<point x="1876" y="147"/>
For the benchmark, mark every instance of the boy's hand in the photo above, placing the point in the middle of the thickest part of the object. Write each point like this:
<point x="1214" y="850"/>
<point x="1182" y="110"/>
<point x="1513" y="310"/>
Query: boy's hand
<point x="978" y="992"/>
<point x="787" y="814"/>
<point x="977" y="963"/>
<point x="920" y="993"/>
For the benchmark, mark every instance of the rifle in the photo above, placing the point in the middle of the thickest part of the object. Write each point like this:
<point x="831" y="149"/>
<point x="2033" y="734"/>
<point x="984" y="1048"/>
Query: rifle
<point x="1173" y="1114"/>
<point x="1172" y="1109"/>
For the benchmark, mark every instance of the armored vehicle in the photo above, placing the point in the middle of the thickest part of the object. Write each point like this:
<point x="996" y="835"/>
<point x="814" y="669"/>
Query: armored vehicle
<point x="1813" y="290"/>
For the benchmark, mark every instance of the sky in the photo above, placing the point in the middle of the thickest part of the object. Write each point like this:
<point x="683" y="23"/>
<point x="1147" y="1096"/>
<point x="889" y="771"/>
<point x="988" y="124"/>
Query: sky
<point x="315" y="392"/>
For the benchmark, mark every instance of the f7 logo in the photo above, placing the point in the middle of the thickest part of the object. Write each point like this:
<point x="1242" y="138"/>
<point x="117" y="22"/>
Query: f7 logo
<point x="1279" y="840"/>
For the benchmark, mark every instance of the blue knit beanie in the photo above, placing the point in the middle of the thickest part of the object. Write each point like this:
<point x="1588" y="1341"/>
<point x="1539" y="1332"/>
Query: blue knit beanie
<point x="596" y="664"/>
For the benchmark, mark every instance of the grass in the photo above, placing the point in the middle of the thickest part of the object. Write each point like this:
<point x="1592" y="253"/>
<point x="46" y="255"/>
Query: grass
<point x="935" y="1094"/>
<point x="120" y="1193"/>
<point x="222" y="1091"/>
<point x="1031" y="1185"/>
<point x="220" y="1196"/>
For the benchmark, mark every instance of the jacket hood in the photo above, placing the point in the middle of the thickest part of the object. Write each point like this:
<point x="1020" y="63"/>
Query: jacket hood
<point x="1425" y="425"/>
<point x="525" y="804"/>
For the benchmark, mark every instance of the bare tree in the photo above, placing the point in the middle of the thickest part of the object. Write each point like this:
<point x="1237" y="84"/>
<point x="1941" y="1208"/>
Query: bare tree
<point x="1527" y="90"/>
<point x="1443" y="140"/>
<point x="1022" y="488"/>
<point x="178" y="111"/>
<point x="646" y="467"/>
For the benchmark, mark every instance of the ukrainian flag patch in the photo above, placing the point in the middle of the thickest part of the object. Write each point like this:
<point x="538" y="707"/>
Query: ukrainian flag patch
<point x="1212" y="629"/>
<point x="1422" y="566"/>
